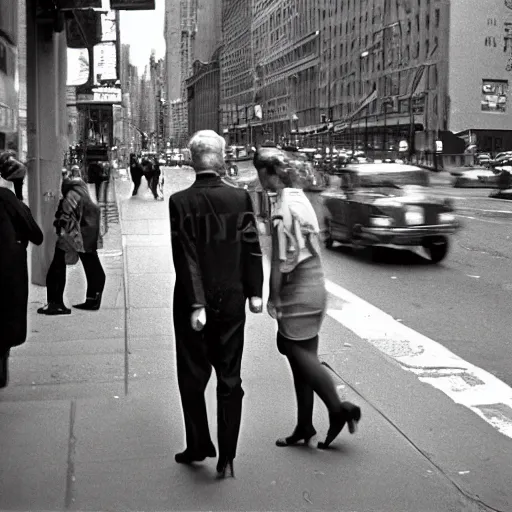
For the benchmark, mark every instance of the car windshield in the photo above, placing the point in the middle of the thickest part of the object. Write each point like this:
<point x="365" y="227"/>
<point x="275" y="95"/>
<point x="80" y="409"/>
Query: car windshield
<point x="393" y="178"/>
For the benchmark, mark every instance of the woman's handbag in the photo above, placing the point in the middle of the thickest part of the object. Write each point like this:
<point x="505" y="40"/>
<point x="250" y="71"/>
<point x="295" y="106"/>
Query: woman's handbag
<point x="67" y="244"/>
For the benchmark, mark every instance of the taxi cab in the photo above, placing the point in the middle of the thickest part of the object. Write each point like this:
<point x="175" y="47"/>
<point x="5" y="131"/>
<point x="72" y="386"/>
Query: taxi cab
<point x="388" y="204"/>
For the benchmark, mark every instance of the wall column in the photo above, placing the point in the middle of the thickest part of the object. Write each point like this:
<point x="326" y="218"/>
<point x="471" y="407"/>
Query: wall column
<point x="47" y="128"/>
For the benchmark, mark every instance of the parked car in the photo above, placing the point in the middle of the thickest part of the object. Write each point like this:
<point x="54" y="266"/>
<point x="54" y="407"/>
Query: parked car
<point x="388" y="205"/>
<point x="475" y="178"/>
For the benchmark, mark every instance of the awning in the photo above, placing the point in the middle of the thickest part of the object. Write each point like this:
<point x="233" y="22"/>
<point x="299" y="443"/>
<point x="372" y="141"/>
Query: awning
<point x="371" y="97"/>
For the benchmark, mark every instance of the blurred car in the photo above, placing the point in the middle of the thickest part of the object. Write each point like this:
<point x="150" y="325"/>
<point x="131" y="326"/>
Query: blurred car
<point x="483" y="159"/>
<point x="476" y="178"/>
<point x="388" y="205"/>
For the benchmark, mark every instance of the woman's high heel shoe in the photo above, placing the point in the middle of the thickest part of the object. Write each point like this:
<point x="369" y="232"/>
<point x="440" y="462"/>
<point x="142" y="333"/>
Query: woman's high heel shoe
<point x="348" y="413"/>
<point x="296" y="437"/>
<point x="223" y="466"/>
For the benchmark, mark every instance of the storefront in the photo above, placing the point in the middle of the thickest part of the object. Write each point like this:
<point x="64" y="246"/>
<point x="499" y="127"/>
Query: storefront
<point x="8" y="76"/>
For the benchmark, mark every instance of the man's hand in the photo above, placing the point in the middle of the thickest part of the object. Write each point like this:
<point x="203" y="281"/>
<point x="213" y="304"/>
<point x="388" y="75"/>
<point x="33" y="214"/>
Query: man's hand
<point x="198" y="319"/>
<point x="256" y="304"/>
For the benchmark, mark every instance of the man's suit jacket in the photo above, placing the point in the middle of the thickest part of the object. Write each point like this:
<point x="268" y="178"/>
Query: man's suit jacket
<point x="216" y="250"/>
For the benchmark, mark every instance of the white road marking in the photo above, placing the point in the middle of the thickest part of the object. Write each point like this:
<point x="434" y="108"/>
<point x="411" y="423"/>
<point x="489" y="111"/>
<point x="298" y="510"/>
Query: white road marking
<point x="434" y="364"/>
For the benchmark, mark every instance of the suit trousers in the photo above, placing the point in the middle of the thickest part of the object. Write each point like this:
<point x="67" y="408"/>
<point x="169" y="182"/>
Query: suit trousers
<point x="219" y="345"/>
<point x="56" y="277"/>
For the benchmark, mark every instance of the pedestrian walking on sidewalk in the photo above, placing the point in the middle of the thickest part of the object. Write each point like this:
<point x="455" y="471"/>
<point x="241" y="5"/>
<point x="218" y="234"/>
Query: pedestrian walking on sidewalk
<point x="152" y="172"/>
<point x="136" y="173"/>
<point x="297" y="298"/>
<point x="77" y="222"/>
<point x="218" y="263"/>
<point x="17" y="229"/>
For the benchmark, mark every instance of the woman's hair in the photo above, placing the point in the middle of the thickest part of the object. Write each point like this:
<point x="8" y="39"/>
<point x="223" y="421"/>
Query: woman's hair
<point x="277" y="163"/>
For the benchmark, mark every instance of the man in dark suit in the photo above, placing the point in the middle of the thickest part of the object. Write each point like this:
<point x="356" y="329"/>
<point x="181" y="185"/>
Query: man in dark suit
<point x="218" y="263"/>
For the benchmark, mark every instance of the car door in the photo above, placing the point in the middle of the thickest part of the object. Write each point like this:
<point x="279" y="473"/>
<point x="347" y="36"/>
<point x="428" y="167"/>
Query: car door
<point x="340" y="209"/>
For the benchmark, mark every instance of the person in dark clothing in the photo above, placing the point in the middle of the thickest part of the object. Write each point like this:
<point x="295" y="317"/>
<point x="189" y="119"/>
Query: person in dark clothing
<point x="218" y="263"/>
<point x="151" y="171"/>
<point x="17" y="229"/>
<point x="99" y="174"/>
<point x="136" y="173"/>
<point x="77" y="222"/>
<point x="8" y="158"/>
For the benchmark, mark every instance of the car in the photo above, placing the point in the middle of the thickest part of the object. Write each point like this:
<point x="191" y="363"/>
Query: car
<point x="475" y="178"/>
<point x="388" y="204"/>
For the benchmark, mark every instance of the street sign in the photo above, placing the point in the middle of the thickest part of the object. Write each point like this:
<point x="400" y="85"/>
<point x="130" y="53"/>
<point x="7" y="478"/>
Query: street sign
<point x="133" y="5"/>
<point x="100" y="95"/>
<point x="439" y="146"/>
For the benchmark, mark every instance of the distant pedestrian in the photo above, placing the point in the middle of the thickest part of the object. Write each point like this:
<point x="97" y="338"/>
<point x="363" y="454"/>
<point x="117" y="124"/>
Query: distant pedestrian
<point x="152" y="173"/>
<point x="136" y="173"/>
<point x="77" y="222"/>
<point x="218" y="263"/>
<point x="17" y="229"/>
<point x="297" y="298"/>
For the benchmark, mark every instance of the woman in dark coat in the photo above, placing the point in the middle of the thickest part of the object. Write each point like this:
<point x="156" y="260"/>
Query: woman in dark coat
<point x="17" y="229"/>
<point x="297" y="298"/>
<point x="77" y="222"/>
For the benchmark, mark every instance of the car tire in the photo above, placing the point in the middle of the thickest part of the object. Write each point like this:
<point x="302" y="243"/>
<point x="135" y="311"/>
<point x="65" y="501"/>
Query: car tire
<point x="437" y="249"/>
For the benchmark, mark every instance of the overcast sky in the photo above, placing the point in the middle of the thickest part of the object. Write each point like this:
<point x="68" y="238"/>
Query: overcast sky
<point x="144" y="30"/>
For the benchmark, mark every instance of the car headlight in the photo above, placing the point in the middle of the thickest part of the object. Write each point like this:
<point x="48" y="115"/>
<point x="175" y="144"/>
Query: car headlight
<point x="381" y="222"/>
<point x="414" y="215"/>
<point x="446" y="218"/>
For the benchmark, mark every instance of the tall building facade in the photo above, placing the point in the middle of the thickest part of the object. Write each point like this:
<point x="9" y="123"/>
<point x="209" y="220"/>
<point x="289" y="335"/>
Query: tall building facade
<point x="285" y="46"/>
<point x="192" y="29"/>
<point x="479" y="54"/>
<point x="203" y="89"/>
<point x="236" y="70"/>
<point x="383" y="71"/>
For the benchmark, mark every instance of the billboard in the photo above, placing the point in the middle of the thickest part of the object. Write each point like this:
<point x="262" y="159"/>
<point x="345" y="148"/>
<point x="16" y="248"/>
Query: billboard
<point x="133" y="5"/>
<point x="105" y="62"/>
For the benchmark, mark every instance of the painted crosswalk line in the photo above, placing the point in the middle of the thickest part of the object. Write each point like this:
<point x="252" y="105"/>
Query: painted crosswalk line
<point x="464" y="383"/>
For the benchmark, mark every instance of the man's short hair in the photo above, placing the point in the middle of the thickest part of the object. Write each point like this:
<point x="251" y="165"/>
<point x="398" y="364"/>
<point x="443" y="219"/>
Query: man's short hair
<point x="207" y="149"/>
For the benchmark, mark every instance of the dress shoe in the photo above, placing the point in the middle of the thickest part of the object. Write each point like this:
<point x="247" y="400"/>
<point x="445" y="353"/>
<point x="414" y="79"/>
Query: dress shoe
<point x="347" y="413"/>
<point x="188" y="457"/>
<point x="91" y="303"/>
<point x="222" y="468"/>
<point x="52" y="309"/>
<point x="299" y="434"/>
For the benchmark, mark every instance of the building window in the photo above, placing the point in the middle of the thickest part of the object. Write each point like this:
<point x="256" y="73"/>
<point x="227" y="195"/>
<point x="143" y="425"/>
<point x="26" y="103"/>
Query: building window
<point x="494" y="95"/>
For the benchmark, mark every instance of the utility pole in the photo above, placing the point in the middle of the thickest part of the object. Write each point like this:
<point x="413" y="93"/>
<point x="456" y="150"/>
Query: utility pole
<point x="46" y="129"/>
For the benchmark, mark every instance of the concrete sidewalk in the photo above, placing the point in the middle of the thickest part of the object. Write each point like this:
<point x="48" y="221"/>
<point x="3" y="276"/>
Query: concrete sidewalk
<point x="92" y="417"/>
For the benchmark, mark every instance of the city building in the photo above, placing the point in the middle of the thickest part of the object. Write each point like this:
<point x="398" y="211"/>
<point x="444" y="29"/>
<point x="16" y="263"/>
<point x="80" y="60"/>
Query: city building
<point x="204" y="82"/>
<point x="285" y="56"/>
<point x="479" y="72"/>
<point x="192" y="32"/>
<point x="203" y="89"/>
<point x="236" y="71"/>
<point x="384" y="72"/>
<point x="9" y="98"/>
